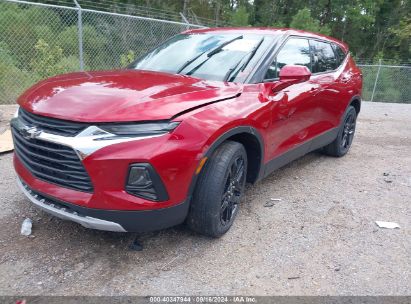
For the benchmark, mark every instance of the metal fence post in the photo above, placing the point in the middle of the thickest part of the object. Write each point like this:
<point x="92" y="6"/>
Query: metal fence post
<point x="80" y="35"/>
<point x="376" y="80"/>
<point x="185" y="20"/>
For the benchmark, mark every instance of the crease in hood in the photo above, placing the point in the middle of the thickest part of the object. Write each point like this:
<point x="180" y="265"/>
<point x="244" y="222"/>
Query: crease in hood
<point x="123" y="95"/>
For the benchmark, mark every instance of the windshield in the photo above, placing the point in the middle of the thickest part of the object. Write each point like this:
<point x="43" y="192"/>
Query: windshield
<point x="223" y="57"/>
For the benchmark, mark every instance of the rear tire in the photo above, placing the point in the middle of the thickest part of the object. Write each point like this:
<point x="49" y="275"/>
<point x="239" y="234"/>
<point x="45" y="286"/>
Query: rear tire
<point x="340" y="146"/>
<point x="219" y="190"/>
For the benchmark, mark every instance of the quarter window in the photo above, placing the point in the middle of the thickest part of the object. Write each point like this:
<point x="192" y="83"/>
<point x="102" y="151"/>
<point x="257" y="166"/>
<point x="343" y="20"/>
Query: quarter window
<point x="295" y="51"/>
<point x="340" y="53"/>
<point x="324" y="57"/>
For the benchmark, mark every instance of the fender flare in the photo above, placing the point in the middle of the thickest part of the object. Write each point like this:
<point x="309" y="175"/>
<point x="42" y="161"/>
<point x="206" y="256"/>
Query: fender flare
<point x="234" y="131"/>
<point x="355" y="97"/>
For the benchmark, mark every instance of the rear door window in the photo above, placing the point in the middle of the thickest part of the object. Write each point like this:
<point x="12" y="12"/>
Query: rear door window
<point x="296" y="51"/>
<point x="324" y="58"/>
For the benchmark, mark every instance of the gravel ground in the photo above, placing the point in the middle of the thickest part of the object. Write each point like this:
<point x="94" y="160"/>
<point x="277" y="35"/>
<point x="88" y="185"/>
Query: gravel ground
<point x="6" y="113"/>
<point x="320" y="239"/>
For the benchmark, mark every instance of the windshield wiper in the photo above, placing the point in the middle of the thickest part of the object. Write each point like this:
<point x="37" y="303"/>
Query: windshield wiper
<point x="187" y="63"/>
<point x="220" y="47"/>
<point x="209" y="54"/>
<point x="230" y="70"/>
<point x="250" y="56"/>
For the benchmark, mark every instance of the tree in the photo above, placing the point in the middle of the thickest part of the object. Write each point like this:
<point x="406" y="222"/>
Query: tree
<point x="240" y="17"/>
<point x="21" y="29"/>
<point x="303" y="21"/>
<point x="48" y="60"/>
<point x="126" y="59"/>
<point x="402" y="36"/>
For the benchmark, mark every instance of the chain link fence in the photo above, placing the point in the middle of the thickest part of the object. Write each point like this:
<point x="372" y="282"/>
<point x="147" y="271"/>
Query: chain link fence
<point x="40" y="40"/>
<point x="386" y="83"/>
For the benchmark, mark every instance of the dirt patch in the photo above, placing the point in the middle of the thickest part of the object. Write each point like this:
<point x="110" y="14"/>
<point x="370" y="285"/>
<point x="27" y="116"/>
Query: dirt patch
<point x="6" y="113"/>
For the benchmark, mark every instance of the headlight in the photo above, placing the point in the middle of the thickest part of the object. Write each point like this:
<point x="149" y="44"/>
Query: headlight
<point x="142" y="129"/>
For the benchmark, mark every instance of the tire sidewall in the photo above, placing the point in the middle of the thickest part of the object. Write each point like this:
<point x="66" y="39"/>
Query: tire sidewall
<point x="204" y="214"/>
<point x="350" y="110"/>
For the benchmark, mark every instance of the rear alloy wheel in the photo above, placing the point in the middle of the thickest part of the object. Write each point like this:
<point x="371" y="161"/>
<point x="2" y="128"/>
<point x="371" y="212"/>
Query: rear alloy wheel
<point x="219" y="190"/>
<point x="348" y="132"/>
<point x="340" y="146"/>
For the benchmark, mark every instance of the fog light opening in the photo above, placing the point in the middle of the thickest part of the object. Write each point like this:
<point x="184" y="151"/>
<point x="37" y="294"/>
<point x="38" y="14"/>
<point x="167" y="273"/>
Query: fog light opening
<point x="143" y="181"/>
<point x="139" y="177"/>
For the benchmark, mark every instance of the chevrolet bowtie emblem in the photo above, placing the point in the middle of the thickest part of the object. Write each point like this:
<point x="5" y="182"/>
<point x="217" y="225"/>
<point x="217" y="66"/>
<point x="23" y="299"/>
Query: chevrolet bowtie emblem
<point x="29" y="132"/>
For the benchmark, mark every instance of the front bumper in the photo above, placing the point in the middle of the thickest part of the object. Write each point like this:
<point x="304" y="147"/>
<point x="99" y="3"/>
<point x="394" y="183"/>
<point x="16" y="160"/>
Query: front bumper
<point x="108" y="220"/>
<point x="50" y="175"/>
<point x="108" y="170"/>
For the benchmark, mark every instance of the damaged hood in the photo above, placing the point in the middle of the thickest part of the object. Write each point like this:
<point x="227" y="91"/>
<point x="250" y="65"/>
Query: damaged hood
<point x="123" y="95"/>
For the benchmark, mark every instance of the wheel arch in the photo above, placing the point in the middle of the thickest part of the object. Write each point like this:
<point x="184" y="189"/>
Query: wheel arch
<point x="253" y="143"/>
<point x="254" y="148"/>
<point x="356" y="103"/>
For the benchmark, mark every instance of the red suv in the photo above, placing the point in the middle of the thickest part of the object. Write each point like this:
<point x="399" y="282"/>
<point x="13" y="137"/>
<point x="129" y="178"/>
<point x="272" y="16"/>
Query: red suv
<point x="176" y="135"/>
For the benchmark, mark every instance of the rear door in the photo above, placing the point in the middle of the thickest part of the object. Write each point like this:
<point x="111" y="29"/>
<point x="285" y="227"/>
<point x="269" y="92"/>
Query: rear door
<point x="325" y="75"/>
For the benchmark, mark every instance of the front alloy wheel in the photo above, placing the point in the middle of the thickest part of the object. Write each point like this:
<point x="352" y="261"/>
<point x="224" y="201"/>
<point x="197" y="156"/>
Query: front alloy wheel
<point x="219" y="190"/>
<point x="233" y="190"/>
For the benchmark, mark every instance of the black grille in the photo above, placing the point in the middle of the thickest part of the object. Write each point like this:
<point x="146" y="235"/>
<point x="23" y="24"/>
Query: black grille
<point x="51" y="162"/>
<point x="51" y="125"/>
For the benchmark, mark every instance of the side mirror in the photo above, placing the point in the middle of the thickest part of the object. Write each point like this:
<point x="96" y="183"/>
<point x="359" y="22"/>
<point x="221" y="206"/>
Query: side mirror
<point x="296" y="73"/>
<point x="291" y="74"/>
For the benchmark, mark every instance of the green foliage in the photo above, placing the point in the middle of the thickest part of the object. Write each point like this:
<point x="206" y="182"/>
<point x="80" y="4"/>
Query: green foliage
<point x="402" y="35"/>
<point x="390" y="85"/>
<point x="126" y="59"/>
<point x="388" y="88"/>
<point x="303" y="21"/>
<point x="240" y="17"/>
<point x="22" y="28"/>
<point x="95" y="44"/>
<point x="49" y="60"/>
<point x="46" y="59"/>
<point x="369" y="27"/>
<point x="6" y="56"/>
<point x="68" y="64"/>
<point x="68" y="40"/>
<point x="12" y="79"/>
<point x="278" y="24"/>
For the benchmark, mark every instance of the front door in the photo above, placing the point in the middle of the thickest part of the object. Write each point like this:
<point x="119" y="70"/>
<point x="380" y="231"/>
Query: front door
<point x="292" y="107"/>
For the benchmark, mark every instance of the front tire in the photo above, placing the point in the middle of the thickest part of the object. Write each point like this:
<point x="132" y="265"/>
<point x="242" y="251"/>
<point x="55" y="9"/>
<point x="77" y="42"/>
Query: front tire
<point x="219" y="190"/>
<point x="340" y="146"/>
